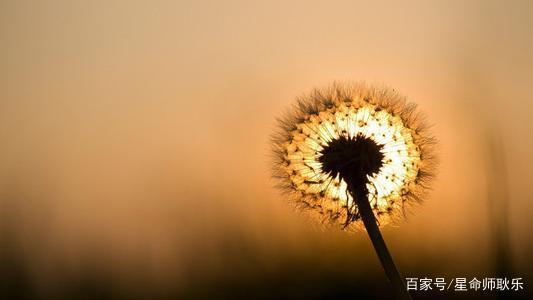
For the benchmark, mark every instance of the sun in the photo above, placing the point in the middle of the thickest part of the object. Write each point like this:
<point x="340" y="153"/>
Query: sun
<point x="365" y="117"/>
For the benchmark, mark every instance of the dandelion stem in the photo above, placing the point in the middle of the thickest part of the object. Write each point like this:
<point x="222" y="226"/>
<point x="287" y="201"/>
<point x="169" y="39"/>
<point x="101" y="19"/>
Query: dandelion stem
<point x="369" y="220"/>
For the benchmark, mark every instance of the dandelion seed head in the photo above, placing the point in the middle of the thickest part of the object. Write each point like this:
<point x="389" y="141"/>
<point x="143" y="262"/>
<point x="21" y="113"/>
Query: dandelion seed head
<point x="317" y="145"/>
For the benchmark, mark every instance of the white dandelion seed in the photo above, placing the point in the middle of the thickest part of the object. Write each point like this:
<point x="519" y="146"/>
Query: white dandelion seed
<point x="347" y="112"/>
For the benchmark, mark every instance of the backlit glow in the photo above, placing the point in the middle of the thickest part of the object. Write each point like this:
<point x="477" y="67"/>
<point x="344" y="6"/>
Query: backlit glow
<point x="351" y="118"/>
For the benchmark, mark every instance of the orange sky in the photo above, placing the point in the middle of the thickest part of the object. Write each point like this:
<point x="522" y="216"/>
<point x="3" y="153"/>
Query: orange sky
<point x="137" y="134"/>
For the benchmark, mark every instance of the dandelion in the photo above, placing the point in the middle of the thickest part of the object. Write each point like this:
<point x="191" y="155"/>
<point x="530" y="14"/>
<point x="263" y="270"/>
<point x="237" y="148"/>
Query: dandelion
<point x="356" y="156"/>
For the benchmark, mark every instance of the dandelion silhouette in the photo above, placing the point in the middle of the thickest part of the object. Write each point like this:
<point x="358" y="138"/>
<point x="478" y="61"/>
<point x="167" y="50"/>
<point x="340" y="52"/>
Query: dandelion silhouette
<point x="355" y="154"/>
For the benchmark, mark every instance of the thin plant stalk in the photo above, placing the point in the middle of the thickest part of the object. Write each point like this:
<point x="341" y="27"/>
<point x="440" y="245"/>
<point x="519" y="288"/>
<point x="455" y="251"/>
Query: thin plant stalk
<point x="378" y="242"/>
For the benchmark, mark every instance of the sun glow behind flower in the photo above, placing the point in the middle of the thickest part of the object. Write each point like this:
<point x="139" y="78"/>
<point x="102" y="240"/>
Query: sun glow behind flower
<point x="379" y="116"/>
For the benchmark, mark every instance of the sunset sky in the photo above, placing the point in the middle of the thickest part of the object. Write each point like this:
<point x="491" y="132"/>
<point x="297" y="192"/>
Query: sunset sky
<point x="135" y="155"/>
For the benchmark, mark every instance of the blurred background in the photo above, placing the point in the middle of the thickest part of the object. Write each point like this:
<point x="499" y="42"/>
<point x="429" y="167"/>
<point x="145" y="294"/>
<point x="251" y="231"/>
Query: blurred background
<point x="134" y="145"/>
